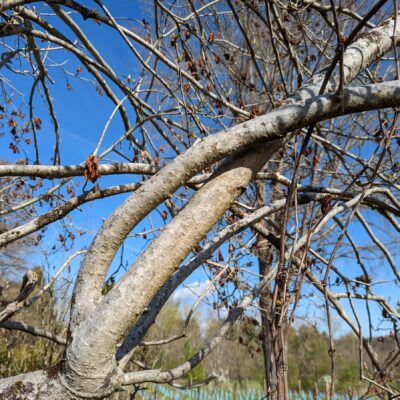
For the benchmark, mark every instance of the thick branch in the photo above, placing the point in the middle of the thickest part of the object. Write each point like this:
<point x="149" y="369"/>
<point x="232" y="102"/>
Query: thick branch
<point x="274" y="125"/>
<point x="106" y="327"/>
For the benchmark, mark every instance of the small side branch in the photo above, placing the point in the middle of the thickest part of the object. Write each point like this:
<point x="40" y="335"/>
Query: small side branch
<point x="165" y="376"/>
<point x="23" y="327"/>
<point x="55" y="171"/>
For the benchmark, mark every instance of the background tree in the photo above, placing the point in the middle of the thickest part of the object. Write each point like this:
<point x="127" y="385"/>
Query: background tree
<point x="20" y="350"/>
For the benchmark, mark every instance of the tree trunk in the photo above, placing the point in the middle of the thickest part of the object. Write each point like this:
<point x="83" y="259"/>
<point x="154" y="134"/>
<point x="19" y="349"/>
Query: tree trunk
<point x="264" y="253"/>
<point x="274" y="341"/>
<point x="34" y="386"/>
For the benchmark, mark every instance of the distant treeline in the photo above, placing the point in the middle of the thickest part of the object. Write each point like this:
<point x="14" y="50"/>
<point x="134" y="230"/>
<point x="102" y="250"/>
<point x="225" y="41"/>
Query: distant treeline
<point x="238" y="360"/>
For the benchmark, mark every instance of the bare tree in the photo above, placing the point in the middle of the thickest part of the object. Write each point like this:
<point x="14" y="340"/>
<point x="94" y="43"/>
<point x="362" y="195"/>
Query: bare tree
<point x="251" y="131"/>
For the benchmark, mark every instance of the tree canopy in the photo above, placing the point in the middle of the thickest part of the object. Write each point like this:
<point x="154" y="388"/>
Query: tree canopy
<point x="252" y="145"/>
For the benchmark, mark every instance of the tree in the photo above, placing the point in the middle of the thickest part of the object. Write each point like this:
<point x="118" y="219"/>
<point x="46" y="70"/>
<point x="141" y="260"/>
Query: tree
<point x="27" y="351"/>
<point x="299" y="96"/>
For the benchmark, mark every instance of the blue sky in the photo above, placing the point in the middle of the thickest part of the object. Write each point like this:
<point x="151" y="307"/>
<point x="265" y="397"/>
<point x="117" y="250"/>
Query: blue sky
<point x="82" y="114"/>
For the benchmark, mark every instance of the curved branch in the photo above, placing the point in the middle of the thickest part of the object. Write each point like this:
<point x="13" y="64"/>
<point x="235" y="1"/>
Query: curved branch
<point x="305" y="108"/>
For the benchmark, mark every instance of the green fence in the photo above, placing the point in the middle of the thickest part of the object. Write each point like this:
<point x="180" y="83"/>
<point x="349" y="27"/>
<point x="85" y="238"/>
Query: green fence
<point x="162" y="392"/>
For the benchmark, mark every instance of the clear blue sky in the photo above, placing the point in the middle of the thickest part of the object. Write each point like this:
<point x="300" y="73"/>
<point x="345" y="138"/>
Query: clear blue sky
<point x="82" y="114"/>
